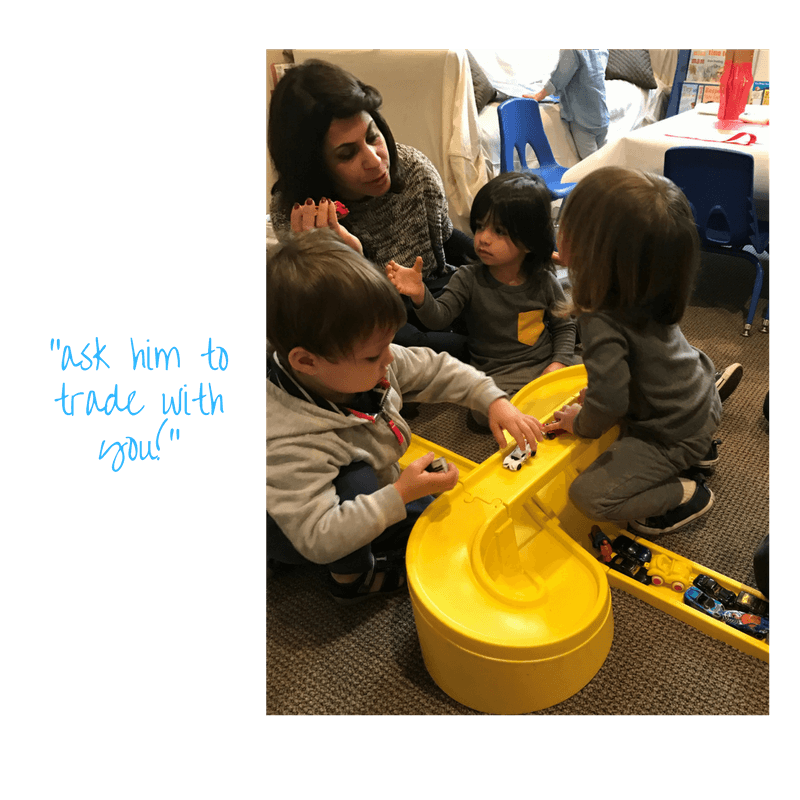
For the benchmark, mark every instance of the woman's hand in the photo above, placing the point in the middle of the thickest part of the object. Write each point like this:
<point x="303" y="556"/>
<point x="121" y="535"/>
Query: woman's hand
<point x="524" y="428"/>
<point x="408" y="281"/>
<point x="307" y="216"/>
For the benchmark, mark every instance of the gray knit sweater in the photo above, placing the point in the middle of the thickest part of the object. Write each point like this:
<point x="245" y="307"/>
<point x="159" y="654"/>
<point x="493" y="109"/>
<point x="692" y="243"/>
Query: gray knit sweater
<point x="400" y="226"/>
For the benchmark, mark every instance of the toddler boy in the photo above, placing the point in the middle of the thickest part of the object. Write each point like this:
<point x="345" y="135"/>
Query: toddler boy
<point x="335" y="386"/>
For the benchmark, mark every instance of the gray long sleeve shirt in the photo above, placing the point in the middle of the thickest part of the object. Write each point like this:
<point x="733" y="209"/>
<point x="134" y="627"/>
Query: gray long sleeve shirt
<point x="653" y="381"/>
<point x="512" y="334"/>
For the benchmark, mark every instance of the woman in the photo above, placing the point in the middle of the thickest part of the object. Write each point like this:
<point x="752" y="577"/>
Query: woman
<point x="328" y="139"/>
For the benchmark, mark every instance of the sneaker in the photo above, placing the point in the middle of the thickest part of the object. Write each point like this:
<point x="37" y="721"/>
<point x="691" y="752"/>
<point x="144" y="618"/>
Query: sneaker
<point x="699" y="503"/>
<point x="728" y="380"/>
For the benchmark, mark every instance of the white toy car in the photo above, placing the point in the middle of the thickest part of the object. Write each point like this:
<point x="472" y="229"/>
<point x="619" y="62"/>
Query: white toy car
<point x="516" y="458"/>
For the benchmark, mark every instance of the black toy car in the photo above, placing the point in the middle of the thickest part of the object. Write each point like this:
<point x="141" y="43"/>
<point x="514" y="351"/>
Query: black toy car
<point x="437" y="465"/>
<point x="710" y="587"/>
<point x="746" y="601"/>
<point x="630" y="559"/>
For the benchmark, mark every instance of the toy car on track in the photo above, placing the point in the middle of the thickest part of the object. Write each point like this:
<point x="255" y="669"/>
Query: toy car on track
<point x="516" y="458"/>
<point x="708" y="585"/>
<point x="630" y="559"/>
<point x="666" y="571"/>
<point x="751" y="624"/>
<point x="697" y="599"/>
<point x="747" y="601"/>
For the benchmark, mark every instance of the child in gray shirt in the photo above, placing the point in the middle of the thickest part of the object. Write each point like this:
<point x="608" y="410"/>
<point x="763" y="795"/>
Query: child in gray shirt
<point x="507" y="299"/>
<point x="630" y="242"/>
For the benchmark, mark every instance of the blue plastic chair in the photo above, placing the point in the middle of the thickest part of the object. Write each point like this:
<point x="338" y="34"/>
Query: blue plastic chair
<point x="719" y="186"/>
<point x="521" y="125"/>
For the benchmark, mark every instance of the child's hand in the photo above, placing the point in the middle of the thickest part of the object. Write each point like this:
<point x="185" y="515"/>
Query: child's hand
<point x="414" y="482"/>
<point x="307" y="216"/>
<point x="524" y="428"/>
<point x="556" y="426"/>
<point x="566" y="417"/>
<point x="553" y="366"/>
<point x="407" y="281"/>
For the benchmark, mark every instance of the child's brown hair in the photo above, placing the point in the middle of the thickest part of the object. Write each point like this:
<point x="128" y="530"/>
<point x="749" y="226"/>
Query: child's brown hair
<point x="325" y="297"/>
<point x="631" y="245"/>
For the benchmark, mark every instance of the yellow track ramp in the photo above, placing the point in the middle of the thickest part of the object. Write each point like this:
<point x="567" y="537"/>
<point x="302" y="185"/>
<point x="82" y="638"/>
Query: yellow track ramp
<point x="512" y="607"/>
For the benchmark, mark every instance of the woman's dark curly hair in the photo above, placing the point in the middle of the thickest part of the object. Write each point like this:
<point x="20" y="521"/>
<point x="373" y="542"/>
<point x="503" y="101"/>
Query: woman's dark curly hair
<point x="305" y="101"/>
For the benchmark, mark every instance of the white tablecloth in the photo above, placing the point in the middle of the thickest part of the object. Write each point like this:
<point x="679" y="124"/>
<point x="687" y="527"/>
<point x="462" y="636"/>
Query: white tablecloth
<point x="644" y="148"/>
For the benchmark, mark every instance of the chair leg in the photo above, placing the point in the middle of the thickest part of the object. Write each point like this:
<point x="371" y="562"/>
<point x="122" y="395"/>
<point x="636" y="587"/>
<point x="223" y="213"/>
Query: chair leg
<point x="756" y="294"/>
<point x="759" y="280"/>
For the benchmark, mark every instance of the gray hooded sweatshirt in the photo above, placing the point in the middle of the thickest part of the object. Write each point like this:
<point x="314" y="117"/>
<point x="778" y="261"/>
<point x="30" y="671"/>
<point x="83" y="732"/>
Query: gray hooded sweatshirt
<point x="308" y="444"/>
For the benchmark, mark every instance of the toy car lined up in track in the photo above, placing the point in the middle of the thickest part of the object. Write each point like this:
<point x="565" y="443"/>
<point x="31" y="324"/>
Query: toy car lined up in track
<point x="751" y="624"/>
<point x="630" y="559"/>
<point x="745" y="601"/>
<point x="673" y="572"/>
<point x="710" y="587"/>
<point x="697" y="599"/>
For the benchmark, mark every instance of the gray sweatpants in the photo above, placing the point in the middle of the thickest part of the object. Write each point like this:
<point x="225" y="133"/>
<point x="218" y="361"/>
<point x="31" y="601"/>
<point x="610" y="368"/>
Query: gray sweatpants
<point x="636" y="479"/>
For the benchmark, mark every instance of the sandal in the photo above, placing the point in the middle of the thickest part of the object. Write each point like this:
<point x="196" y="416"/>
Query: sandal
<point x="394" y="581"/>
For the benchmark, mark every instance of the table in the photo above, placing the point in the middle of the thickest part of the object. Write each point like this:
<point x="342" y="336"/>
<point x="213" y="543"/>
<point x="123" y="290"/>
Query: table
<point x="644" y="148"/>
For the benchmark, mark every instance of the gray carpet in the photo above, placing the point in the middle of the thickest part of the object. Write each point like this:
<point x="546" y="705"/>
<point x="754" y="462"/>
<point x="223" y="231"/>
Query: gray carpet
<point x="325" y="659"/>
